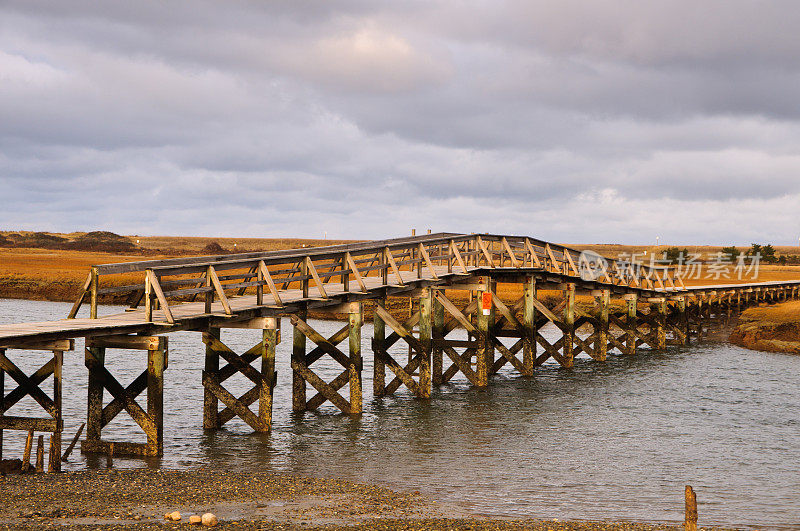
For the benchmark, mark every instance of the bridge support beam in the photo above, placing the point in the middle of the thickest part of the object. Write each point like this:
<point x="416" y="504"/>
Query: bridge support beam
<point x="632" y="326"/>
<point x="124" y="398"/>
<point x="29" y="386"/>
<point x="419" y="362"/>
<point x="569" y="325"/>
<point x="351" y="364"/>
<point x="263" y="380"/>
<point x="530" y="329"/>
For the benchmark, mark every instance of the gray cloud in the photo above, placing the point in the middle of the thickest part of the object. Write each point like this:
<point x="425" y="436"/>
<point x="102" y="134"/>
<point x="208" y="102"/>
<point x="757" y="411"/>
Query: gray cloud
<point x="576" y="121"/>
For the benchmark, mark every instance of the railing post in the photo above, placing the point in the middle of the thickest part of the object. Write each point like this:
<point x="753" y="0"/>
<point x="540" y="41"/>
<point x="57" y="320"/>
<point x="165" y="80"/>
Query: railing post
<point x="209" y="294"/>
<point x="345" y="276"/>
<point x="148" y="300"/>
<point x="93" y="293"/>
<point x="529" y="324"/>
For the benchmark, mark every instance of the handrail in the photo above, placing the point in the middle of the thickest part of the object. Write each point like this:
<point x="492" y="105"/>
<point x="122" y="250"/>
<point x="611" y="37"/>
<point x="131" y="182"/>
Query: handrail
<point x="312" y="269"/>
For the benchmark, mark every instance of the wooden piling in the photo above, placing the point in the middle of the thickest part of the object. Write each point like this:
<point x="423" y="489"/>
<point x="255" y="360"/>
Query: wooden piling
<point x="483" y="317"/>
<point x="155" y="397"/>
<point x="269" y="338"/>
<point x="378" y="339"/>
<point x="569" y="324"/>
<point x="298" y="355"/>
<point x="356" y="317"/>
<point x="40" y="454"/>
<point x="529" y="325"/>
<point x="94" y="361"/>
<point x="425" y="336"/>
<point x="631" y="328"/>
<point x="601" y="344"/>
<point x="26" y="453"/>
<point x="661" y="319"/>
<point x="437" y="335"/>
<point x="210" y="401"/>
<point x="690" y="523"/>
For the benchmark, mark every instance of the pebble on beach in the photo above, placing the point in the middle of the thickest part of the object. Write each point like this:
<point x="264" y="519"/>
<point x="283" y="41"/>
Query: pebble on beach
<point x="174" y="516"/>
<point x="209" y="520"/>
<point x="195" y="519"/>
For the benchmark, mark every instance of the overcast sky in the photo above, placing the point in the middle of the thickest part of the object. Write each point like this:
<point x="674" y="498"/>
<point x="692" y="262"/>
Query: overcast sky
<point x="573" y="121"/>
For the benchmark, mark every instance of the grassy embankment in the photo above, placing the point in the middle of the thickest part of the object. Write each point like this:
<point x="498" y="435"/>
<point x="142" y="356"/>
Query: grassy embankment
<point x="770" y="328"/>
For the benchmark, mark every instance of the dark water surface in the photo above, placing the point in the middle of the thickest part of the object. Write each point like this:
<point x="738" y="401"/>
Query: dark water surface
<point x="610" y="441"/>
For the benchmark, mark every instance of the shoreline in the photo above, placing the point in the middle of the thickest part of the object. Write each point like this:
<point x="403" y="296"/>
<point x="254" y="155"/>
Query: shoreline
<point x="139" y="498"/>
<point x="773" y="328"/>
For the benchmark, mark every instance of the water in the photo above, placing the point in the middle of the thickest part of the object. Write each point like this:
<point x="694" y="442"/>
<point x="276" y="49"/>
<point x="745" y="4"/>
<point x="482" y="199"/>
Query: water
<point x="610" y="441"/>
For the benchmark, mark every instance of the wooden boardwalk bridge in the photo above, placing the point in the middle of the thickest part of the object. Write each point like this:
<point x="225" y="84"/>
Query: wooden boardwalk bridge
<point x="254" y="290"/>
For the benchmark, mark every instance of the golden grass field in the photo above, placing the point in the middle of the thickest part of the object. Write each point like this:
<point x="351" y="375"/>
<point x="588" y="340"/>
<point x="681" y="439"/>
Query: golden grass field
<point x="59" y="274"/>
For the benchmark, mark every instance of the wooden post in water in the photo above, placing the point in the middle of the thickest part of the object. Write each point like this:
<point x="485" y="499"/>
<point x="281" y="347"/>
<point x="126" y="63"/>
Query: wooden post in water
<point x="483" y="317"/>
<point x="299" y="355"/>
<point x="569" y="324"/>
<point x="661" y="329"/>
<point x="690" y="523"/>
<point x="683" y="319"/>
<point x="210" y="401"/>
<point x="94" y="361"/>
<point x="269" y="337"/>
<point x="425" y="336"/>
<point x="54" y="463"/>
<point x="356" y="317"/>
<point x="631" y="301"/>
<point x="26" y="453"/>
<point x="156" y="363"/>
<point x="40" y="454"/>
<point x="378" y="339"/>
<point x="437" y="334"/>
<point x="2" y="400"/>
<point x="529" y="324"/>
<point x="601" y="344"/>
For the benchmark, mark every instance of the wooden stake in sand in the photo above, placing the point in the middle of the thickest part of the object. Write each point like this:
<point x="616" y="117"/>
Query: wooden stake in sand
<point x="691" y="510"/>
<point x="73" y="443"/>
<point x="40" y="454"/>
<point x="26" y="455"/>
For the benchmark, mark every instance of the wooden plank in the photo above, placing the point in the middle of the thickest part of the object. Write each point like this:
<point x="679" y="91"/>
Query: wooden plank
<point x="315" y="276"/>
<point x="317" y="383"/>
<point x="212" y="274"/>
<point x="486" y="254"/>
<point x="457" y="254"/>
<point x="352" y="265"/>
<point x="393" y="264"/>
<point x="9" y="422"/>
<point x="511" y="255"/>
<point x="424" y="253"/>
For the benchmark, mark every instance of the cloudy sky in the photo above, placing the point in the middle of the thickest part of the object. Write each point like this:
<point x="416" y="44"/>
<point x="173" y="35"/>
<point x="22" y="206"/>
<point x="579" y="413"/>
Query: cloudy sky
<point x="574" y="121"/>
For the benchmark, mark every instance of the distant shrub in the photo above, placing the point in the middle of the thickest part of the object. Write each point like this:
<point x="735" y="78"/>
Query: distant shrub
<point x="731" y="253"/>
<point x="214" y="248"/>
<point x="103" y="241"/>
<point x="673" y="254"/>
<point x="40" y="240"/>
<point x="5" y="242"/>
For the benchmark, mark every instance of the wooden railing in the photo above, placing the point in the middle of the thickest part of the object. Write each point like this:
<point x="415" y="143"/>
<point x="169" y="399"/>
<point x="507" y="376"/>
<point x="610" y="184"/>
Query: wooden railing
<point x="269" y="274"/>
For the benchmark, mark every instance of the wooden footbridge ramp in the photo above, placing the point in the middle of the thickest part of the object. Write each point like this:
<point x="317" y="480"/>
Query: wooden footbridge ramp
<point x="453" y="278"/>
